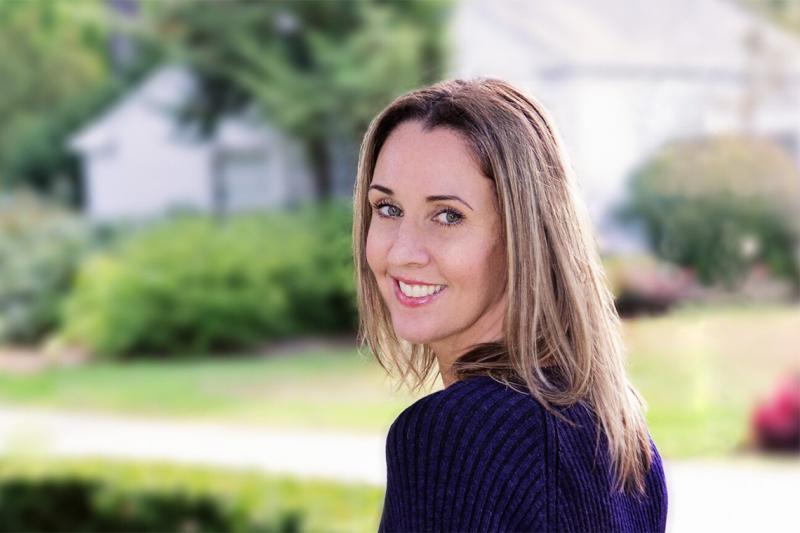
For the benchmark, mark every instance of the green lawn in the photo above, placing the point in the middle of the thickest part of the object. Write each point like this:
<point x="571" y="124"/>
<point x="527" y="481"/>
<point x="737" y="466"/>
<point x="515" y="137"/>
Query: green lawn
<point x="699" y="369"/>
<point x="333" y="389"/>
<point x="701" y="372"/>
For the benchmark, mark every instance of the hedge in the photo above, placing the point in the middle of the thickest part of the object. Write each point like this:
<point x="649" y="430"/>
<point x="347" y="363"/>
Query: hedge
<point x="109" y="495"/>
<point x="194" y="283"/>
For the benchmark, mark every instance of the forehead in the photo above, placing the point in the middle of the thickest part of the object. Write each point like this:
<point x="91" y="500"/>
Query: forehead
<point x="412" y="159"/>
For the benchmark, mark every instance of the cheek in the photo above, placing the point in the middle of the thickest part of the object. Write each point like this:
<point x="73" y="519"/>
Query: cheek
<point x="463" y="256"/>
<point x="496" y="268"/>
<point x="475" y="265"/>
<point x="376" y="252"/>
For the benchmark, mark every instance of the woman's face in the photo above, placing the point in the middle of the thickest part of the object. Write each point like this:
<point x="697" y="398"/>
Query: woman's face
<point x="434" y="242"/>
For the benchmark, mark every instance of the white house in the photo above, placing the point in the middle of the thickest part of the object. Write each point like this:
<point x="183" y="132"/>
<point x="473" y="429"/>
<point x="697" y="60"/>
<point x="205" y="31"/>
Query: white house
<point x="138" y="161"/>
<point x="622" y="77"/>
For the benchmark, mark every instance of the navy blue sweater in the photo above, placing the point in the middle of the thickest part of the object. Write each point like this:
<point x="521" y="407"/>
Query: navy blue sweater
<point x="480" y="456"/>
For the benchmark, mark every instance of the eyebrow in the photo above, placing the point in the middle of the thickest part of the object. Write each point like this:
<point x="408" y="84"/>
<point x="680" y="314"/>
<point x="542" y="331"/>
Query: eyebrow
<point x="434" y="198"/>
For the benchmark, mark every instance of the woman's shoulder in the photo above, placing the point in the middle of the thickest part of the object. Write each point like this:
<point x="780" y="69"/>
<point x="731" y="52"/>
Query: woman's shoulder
<point x="481" y="443"/>
<point x="478" y="444"/>
<point x="479" y="397"/>
<point x="476" y="427"/>
<point x="482" y="403"/>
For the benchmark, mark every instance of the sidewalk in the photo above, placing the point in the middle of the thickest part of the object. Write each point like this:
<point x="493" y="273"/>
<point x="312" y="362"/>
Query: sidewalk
<point x="704" y="495"/>
<point x="337" y="456"/>
<point x="732" y="495"/>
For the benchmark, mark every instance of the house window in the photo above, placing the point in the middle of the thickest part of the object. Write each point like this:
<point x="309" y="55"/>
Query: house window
<point x="244" y="181"/>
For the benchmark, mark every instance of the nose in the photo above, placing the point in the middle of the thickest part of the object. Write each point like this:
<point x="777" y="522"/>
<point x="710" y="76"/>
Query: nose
<point x="409" y="247"/>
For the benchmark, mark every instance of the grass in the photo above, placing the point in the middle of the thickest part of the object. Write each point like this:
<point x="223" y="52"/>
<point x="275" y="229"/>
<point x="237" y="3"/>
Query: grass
<point x="700" y="371"/>
<point x="324" y="389"/>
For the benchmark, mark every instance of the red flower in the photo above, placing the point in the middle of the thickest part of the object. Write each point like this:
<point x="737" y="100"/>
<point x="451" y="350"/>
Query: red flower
<point x="775" y="423"/>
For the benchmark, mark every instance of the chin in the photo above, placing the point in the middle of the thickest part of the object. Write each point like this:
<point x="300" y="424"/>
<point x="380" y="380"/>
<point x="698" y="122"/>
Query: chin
<point x="414" y="335"/>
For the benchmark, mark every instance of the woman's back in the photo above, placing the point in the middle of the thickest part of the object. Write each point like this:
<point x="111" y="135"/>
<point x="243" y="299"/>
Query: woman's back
<point x="480" y="456"/>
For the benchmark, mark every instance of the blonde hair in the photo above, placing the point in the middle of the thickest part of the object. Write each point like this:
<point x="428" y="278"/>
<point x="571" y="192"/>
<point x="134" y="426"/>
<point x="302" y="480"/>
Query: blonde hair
<point x="560" y="313"/>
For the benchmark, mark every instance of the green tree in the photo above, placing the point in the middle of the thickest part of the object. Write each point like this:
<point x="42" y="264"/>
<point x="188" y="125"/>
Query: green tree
<point x="50" y="53"/>
<point x="318" y="70"/>
<point x="718" y="205"/>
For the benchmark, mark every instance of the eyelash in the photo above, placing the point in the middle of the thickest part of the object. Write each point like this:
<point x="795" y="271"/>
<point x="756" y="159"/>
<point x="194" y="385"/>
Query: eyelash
<point x="449" y="210"/>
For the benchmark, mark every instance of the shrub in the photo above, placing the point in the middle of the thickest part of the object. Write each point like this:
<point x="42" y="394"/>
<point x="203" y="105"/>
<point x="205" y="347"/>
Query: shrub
<point x="321" y="283"/>
<point x="111" y="495"/>
<point x="88" y="505"/>
<point x="41" y="246"/>
<point x="48" y="494"/>
<point x="718" y="206"/>
<point x="194" y="283"/>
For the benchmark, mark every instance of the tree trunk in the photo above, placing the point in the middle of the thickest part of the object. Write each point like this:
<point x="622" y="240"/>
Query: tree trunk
<point x="320" y="167"/>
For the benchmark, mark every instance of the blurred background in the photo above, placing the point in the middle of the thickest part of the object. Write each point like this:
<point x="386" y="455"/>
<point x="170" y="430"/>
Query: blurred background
<point x="177" y="304"/>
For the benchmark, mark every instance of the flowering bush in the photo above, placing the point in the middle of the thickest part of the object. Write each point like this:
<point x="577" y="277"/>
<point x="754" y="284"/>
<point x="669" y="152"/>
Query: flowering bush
<point x="643" y="285"/>
<point x="775" y="422"/>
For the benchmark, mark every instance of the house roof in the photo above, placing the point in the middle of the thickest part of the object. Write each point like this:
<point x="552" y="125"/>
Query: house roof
<point x="163" y="90"/>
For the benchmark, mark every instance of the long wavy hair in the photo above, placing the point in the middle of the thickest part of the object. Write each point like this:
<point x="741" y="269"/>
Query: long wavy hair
<point x="562" y="338"/>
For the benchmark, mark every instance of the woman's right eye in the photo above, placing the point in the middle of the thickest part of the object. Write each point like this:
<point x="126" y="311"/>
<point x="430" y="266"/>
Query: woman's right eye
<point x="387" y="210"/>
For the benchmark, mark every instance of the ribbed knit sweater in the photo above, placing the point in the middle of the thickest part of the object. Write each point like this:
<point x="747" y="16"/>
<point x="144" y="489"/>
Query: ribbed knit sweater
<point x="480" y="456"/>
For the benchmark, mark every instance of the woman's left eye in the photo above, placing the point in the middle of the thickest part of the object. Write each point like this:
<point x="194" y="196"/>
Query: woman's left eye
<point x="450" y="217"/>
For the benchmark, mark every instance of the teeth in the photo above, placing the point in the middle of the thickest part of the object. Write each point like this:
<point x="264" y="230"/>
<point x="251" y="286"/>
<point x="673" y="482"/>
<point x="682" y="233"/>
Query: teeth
<point x="418" y="291"/>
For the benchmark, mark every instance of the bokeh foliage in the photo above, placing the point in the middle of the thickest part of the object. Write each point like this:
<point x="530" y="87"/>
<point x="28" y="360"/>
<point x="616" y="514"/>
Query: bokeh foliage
<point x="718" y="205"/>
<point x="195" y="283"/>
<point x="41" y="246"/>
<point x="317" y="70"/>
<point x="57" y="73"/>
<point x="48" y="494"/>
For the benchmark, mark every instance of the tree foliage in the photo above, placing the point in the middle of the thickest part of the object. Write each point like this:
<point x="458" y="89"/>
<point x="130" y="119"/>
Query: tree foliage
<point x="318" y="70"/>
<point x="50" y="52"/>
<point x="718" y="205"/>
<point x="57" y="73"/>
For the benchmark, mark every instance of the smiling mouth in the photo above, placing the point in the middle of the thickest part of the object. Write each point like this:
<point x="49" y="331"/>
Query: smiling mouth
<point x="416" y="295"/>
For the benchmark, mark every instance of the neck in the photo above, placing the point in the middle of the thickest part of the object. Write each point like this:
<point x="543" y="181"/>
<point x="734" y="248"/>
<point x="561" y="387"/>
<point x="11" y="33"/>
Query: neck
<point x="487" y="328"/>
<point x="447" y="354"/>
<point x="447" y="378"/>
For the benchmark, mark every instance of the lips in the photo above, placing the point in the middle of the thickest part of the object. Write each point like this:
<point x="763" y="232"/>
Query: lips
<point x="409" y="301"/>
<point x="413" y="281"/>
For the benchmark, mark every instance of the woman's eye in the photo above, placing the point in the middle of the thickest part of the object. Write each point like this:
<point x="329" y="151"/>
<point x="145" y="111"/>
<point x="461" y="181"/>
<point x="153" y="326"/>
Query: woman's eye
<point x="388" y="210"/>
<point x="450" y="217"/>
<point x="446" y="217"/>
<point x="392" y="211"/>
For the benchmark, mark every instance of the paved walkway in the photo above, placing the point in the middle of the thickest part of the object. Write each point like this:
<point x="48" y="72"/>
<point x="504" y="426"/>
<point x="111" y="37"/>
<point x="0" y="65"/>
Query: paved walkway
<point x="337" y="456"/>
<point x="705" y="495"/>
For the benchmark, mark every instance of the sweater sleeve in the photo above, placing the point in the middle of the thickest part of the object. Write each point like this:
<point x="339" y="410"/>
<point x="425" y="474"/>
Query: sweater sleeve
<point x="470" y="459"/>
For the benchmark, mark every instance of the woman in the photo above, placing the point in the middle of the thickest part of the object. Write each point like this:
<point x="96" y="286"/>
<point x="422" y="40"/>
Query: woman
<point x="473" y="250"/>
